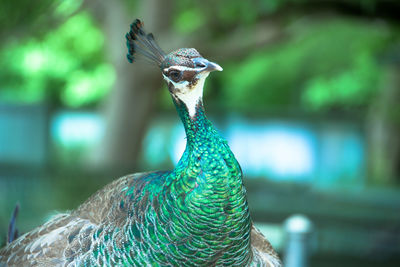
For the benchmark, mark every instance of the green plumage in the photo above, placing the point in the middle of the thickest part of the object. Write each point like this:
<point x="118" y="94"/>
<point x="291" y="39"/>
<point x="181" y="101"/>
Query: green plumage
<point x="196" y="214"/>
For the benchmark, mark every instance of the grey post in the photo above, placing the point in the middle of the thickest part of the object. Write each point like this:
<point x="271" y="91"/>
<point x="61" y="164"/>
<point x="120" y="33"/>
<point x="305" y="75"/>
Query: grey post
<point x="298" y="230"/>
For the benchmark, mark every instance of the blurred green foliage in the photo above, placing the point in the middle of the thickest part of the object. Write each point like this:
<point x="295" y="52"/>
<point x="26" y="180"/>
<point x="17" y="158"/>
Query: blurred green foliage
<point x="67" y="65"/>
<point x="189" y="20"/>
<point x="331" y="63"/>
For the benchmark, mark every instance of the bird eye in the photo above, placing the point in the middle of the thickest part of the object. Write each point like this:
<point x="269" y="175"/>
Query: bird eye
<point x="175" y="75"/>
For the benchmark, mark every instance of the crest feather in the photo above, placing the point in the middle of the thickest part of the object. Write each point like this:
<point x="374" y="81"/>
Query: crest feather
<point x="138" y="42"/>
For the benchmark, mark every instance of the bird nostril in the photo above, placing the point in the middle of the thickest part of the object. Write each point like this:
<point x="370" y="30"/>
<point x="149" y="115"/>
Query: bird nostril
<point x="200" y="62"/>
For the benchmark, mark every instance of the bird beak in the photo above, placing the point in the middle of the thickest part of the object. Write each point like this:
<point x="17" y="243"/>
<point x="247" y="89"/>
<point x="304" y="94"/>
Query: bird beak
<point x="211" y="66"/>
<point x="206" y="66"/>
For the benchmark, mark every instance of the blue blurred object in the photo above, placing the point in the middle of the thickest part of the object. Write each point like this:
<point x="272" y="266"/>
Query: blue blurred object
<point x="81" y="129"/>
<point x="23" y="135"/>
<point x="277" y="149"/>
<point x="298" y="230"/>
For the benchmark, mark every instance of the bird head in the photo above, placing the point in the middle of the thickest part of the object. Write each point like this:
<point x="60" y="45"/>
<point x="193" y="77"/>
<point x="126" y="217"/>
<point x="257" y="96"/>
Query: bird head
<point x="184" y="70"/>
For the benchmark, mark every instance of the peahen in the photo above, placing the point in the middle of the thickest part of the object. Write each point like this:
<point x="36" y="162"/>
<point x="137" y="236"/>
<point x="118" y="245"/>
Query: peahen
<point x="194" y="215"/>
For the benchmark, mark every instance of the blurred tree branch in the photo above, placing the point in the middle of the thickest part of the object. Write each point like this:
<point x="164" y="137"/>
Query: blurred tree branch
<point x="241" y="41"/>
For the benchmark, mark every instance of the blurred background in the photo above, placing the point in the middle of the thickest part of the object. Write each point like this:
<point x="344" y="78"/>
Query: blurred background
<point x="308" y="100"/>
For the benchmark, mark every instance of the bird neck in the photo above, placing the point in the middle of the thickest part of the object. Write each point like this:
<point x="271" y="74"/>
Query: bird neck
<point x="197" y="126"/>
<point x="207" y="153"/>
<point x="208" y="180"/>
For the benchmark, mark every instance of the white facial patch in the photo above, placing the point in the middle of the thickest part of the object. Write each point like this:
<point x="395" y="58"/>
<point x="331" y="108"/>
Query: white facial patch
<point x="190" y="96"/>
<point x="180" y="68"/>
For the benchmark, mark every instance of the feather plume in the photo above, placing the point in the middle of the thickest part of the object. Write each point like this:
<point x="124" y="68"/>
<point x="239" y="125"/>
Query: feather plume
<point x="138" y="42"/>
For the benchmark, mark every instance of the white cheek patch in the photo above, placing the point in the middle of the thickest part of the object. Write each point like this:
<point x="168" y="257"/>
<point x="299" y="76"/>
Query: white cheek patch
<point x="180" y="87"/>
<point x="192" y="97"/>
<point x="180" y="68"/>
<point x="189" y="96"/>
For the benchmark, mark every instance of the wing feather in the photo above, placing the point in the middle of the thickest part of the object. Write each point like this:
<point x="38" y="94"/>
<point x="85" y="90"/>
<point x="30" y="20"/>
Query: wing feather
<point x="263" y="251"/>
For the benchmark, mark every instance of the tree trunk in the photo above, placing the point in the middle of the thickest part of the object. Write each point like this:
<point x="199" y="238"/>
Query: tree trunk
<point x="384" y="130"/>
<point x="128" y="109"/>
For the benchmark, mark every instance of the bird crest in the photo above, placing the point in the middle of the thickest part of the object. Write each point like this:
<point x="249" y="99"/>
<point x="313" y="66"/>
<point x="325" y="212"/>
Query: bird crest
<point x="139" y="42"/>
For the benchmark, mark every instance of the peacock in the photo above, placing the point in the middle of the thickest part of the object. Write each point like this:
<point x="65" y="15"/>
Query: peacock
<point x="194" y="215"/>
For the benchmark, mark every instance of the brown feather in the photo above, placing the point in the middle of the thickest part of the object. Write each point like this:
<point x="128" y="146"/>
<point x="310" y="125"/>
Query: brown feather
<point x="263" y="249"/>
